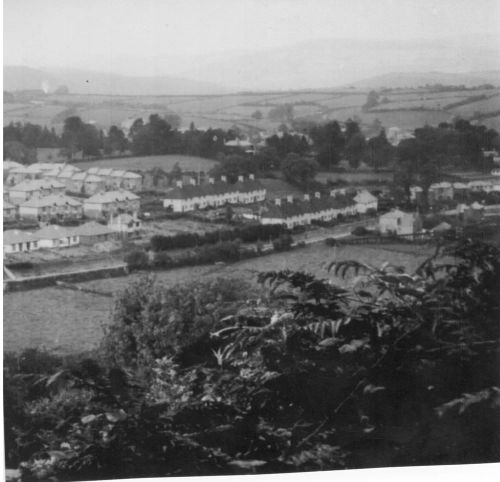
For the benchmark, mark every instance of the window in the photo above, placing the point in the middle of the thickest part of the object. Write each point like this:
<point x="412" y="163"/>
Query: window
<point x="35" y="244"/>
<point x="399" y="221"/>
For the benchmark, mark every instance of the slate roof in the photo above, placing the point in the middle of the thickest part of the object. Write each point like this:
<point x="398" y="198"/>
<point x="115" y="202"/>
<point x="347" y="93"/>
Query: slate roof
<point x="52" y="200"/>
<point x="302" y="207"/>
<point x="364" y="197"/>
<point x="91" y="228"/>
<point x="53" y="231"/>
<point x="12" y="236"/>
<point x="109" y="197"/>
<point x="218" y="188"/>
<point x="36" y="185"/>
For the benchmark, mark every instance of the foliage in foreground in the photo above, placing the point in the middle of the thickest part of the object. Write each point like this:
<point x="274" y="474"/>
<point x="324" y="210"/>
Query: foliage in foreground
<point x="399" y="369"/>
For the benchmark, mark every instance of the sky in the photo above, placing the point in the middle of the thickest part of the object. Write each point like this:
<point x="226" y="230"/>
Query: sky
<point x="120" y="35"/>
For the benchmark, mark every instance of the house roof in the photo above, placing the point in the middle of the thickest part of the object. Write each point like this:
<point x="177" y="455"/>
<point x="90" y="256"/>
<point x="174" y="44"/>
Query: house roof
<point x="299" y="207"/>
<point x="190" y="191"/>
<point x="132" y="175"/>
<point x="440" y="185"/>
<point x="91" y="229"/>
<point x="8" y="205"/>
<point x="53" y="231"/>
<point x="52" y="200"/>
<point x="364" y="197"/>
<point x="12" y="236"/>
<point x="8" y="165"/>
<point x="479" y="183"/>
<point x="395" y="213"/>
<point x="19" y="170"/>
<point x="118" y="173"/>
<point x="93" y="178"/>
<point x="459" y="185"/>
<point x="36" y="185"/>
<point x="109" y="197"/>
<point x="444" y="226"/>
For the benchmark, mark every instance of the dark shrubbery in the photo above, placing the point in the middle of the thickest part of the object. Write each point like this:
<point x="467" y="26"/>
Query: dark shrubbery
<point x="247" y="234"/>
<point x="283" y="243"/>
<point x="216" y="379"/>
<point x="137" y="260"/>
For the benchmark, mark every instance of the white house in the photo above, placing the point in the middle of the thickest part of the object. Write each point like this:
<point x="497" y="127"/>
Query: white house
<point x="125" y="224"/>
<point x="440" y="191"/>
<point x="365" y="202"/>
<point x="192" y="196"/>
<point x="9" y="211"/>
<point x="297" y="212"/>
<point x="16" y="241"/>
<point x="54" y="236"/>
<point x="400" y="223"/>
<point x="26" y="190"/>
<point x="54" y="206"/>
<point x="105" y="204"/>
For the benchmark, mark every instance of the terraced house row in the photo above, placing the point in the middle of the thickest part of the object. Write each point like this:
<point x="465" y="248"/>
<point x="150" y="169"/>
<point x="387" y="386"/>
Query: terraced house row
<point x="297" y="212"/>
<point x="193" y="196"/>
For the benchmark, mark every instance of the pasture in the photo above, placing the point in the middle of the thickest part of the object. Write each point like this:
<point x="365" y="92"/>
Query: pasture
<point x="73" y="321"/>
<point x="167" y="162"/>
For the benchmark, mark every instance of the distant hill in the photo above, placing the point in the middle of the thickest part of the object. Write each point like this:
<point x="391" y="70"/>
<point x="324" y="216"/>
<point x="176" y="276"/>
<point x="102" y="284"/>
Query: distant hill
<point x="397" y="80"/>
<point x="16" y="78"/>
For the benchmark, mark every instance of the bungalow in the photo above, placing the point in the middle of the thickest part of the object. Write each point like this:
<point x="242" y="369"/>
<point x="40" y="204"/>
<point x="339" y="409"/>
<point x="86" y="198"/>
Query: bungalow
<point x="54" y="236"/>
<point x="117" y="178"/>
<point x="400" y="223"/>
<point x="93" y="233"/>
<point x="125" y="224"/>
<point x="53" y="206"/>
<point x="132" y="181"/>
<point x="105" y="204"/>
<point x="16" y="241"/>
<point x="365" y="202"/>
<point x="9" y="211"/>
<point x="26" y="190"/>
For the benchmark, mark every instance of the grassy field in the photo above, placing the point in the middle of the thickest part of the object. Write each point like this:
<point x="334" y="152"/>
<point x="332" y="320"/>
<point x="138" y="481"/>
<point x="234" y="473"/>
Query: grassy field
<point x="70" y="321"/>
<point x="225" y="110"/>
<point x="186" y="163"/>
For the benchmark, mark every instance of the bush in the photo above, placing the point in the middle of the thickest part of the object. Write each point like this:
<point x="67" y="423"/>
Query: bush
<point x="360" y="231"/>
<point x="283" y="243"/>
<point x="137" y="260"/>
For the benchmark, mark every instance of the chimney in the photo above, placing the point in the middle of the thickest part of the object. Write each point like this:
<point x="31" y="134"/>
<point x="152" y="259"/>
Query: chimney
<point x="178" y="183"/>
<point x="223" y="178"/>
<point x="240" y="178"/>
<point x="277" y="201"/>
<point x="306" y="197"/>
<point x="317" y="195"/>
<point x="289" y="198"/>
<point x="192" y="181"/>
<point x="211" y="180"/>
<point x="251" y="177"/>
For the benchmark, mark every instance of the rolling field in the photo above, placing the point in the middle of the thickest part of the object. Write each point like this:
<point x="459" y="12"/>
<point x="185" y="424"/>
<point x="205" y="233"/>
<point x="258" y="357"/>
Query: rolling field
<point x="186" y="163"/>
<point x="226" y="110"/>
<point x="69" y="321"/>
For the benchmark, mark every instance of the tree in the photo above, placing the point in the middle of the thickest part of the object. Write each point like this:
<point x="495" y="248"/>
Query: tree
<point x="380" y="152"/>
<point x="299" y="170"/>
<point x="355" y="149"/>
<point x="78" y="136"/>
<point x="115" y="141"/>
<point x="257" y="115"/>
<point x="371" y="100"/>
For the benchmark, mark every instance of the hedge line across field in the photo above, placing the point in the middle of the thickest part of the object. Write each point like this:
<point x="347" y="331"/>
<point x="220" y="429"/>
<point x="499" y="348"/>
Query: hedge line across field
<point x="246" y="234"/>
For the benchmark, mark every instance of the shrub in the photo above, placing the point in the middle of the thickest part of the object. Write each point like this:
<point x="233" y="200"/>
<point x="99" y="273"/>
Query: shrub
<point x="283" y="243"/>
<point x="137" y="260"/>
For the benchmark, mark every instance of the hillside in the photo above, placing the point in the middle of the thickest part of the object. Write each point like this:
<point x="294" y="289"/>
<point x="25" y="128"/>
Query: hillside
<point x="18" y="78"/>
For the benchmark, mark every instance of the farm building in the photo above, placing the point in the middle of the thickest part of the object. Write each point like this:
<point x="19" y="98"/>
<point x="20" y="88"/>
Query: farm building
<point x="400" y="223"/>
<point x="54" y="236"/>
<point x="365" y="202"/>
<point x="216" y="193"/>
<point x="93" y="233"/>
<point x="15" y="241"/>
<point x="297" y="212"/>
<point x="26" y="190"/>
<point x="106" y="204"/>
<point x="54" y="206"/>
<point x="125" y="224"/>
<point x="9" y="211"/>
